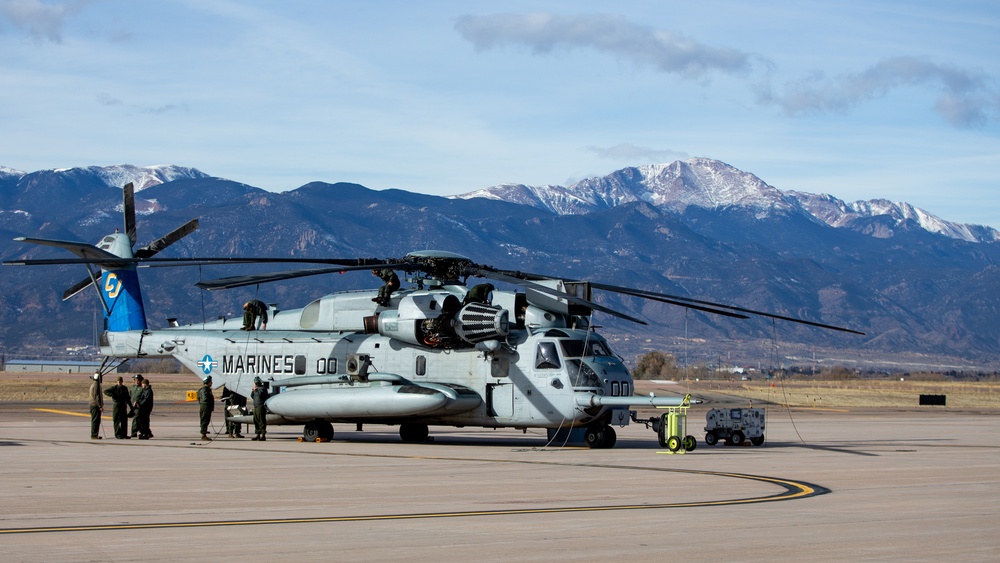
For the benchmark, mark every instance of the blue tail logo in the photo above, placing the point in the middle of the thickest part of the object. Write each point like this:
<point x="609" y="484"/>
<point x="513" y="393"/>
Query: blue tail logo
<point x="123" y="301"/>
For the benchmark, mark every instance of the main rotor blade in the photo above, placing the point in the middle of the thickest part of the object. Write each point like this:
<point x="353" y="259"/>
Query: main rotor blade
<point x="128" y="209"/>
<point x="661" y="296"/>
<point x="113" y="260"/>
<point x="253" y="279"/>
<point x="691" y="302"/>
<point x="492" y="274"/>
<point x="168" y="239"/>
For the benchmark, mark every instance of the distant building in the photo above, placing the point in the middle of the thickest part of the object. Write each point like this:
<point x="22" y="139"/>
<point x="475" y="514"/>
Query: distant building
<point x="50" y="366"/>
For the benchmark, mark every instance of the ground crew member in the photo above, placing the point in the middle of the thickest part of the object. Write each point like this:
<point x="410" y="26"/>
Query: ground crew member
<point x="254" y="311"/>
<point x="479" y="294"/>
<point x="236" y="405"/>
<point x="206" y="404"/>
<point x="120" y="406"/>
<point x="259" y="397"/>
<point x="133" y="400"/>
<point x="96" y="407"/>
<point x="391" y="284"/>
<point x="144" y="407"/>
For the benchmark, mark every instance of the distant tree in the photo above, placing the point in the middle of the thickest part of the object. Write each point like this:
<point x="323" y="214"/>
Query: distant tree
<point x="838" y="373"/>
<point x="656" y="365"/>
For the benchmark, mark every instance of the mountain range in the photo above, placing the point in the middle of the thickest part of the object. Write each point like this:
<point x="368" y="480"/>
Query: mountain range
<point x="921" y="287"/>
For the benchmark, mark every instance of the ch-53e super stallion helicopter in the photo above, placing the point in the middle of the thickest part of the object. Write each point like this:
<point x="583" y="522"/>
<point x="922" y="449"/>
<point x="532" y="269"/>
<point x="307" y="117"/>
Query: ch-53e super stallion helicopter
<point x="426" y="356"/>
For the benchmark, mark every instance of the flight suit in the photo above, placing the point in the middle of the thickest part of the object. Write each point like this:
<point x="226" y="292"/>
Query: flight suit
<point x="120" y="402"/>
<point x="259" y="397"/>
<point x="206" y="404"/>
<point x="235" y="406"/>
<point x="478" y="294"/>
<point x="252" y="311"/>
<point x="134" y="392"/>
<point x="391" y="284"/>
<point x="145" y="408"/>
<point x="96" y="406"/>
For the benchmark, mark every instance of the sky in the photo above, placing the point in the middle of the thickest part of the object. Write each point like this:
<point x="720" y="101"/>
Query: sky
<point x="860" y="99"/>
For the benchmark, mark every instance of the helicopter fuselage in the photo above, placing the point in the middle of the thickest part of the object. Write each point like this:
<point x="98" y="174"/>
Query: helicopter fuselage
<point x="344" y="359"/>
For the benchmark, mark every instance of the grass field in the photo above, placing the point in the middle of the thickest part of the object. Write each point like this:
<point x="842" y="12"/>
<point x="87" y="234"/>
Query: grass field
<point x="854" y="393"/>
<point x="62" y="387"/>
<point x="69" y="387"/>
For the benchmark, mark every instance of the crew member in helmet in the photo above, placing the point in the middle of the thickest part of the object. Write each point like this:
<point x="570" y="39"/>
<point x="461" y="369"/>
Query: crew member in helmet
<point x="259" y="397"/>
<point x="206" y="404"/>
<point x="134" y="392"/>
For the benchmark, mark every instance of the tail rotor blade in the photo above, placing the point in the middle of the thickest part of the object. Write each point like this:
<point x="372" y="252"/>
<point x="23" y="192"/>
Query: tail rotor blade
<point x="77" y="288"/>
<point x="128" y="208"/>
<point x="168" y="239"/>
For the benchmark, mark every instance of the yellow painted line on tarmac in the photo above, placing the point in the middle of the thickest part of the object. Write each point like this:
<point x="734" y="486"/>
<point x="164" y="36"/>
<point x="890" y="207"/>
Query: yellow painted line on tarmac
<point x="793" y="490"/>
<point x="70" y="413"/>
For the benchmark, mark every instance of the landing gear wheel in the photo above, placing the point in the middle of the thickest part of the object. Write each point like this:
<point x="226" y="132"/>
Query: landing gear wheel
<point x="689" y="443"/>
<point x="757" y="440"/>
<point x="610" y="438"/>
<point x="594" y="436"/>
<point x="412" y="432"/>
<point x="738" y="438"/>
<point x="325" y="431"/>
<point x="711" y="439"/>
<point x="311" y="431"/>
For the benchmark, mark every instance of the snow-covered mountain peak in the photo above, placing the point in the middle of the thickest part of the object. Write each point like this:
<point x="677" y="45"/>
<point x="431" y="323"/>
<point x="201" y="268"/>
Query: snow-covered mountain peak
<point x="701" y="182"/>
<point x="143" y="177"/>
<point x="6" y="171"/>
<point x="838" y="213"/>
<point x="713" y="185"/>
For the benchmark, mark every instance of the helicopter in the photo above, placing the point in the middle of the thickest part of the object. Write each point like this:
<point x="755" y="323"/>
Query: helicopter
<point x="440" y="353"/>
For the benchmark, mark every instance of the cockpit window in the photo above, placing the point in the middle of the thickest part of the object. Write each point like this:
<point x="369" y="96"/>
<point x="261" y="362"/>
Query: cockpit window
<point x="577" y="348"/>
<point x="547" y="356"/>
<point x="581" y="375"/>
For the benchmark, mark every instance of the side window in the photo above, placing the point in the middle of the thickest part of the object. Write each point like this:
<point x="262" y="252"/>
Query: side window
<point x="547" y="356"/>
<point x="421" y="368"/>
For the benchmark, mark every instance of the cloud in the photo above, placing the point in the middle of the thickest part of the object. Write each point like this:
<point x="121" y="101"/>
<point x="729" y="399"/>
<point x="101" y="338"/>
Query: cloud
<point x="112" y="101"/>
<point x="41" y="20"/>
<point x="965" y="97"/>
<point x="542" y="33"/>
<point x="632" y="153"/>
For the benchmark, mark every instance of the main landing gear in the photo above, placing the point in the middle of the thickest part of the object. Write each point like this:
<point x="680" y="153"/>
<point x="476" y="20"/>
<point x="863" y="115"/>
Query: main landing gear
<point x="317" y="431"/>
<point x="600" y="436"/>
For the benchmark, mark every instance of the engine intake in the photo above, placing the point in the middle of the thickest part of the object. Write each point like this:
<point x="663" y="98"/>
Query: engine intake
<point x="477" y="322"/>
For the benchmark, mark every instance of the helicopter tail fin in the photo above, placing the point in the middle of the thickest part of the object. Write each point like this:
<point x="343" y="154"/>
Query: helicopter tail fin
<point x="122" y="298"/>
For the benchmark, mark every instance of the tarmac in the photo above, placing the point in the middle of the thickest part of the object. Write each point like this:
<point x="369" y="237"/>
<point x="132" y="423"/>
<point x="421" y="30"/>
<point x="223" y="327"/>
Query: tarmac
<point x="919" y="484"/>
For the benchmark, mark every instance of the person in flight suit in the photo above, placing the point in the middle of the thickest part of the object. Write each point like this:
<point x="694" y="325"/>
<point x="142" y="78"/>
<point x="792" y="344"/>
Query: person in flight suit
<point x="96" y="407"/>
<point x="144" y="407"/>
<point x="134" y="392"/>
<point x="206" y="404"/>
<point x="259" y="396"/>
<point x="254" y="311"/>
<point x="235" y="406"/>
<point x="120" y="407"/>
<point x="391" y="284"/>
<point x="479" y="294"/>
